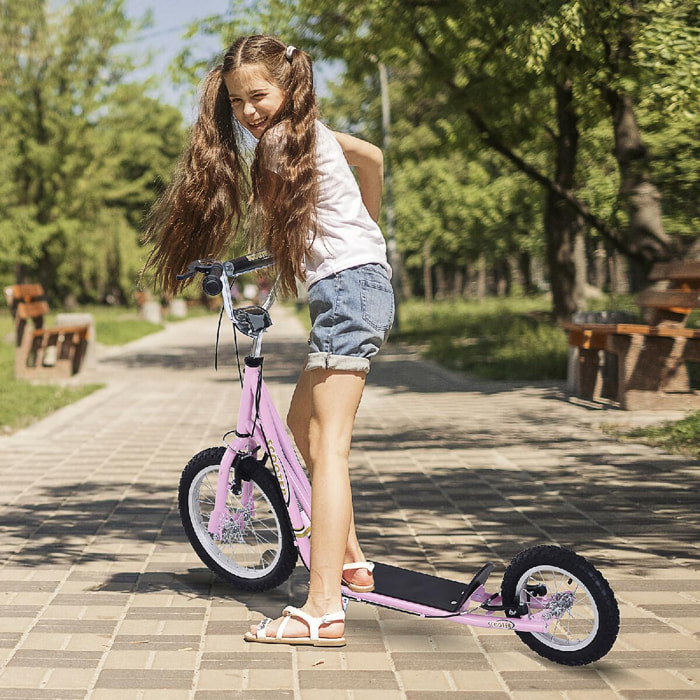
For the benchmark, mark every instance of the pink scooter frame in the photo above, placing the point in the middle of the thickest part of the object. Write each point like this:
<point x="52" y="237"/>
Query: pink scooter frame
<point x="259" y="426"/>
<point x="545" y="580"/>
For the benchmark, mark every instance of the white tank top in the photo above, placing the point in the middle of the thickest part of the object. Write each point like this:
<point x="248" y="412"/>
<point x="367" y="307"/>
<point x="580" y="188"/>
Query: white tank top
<point x="347" y="234"/>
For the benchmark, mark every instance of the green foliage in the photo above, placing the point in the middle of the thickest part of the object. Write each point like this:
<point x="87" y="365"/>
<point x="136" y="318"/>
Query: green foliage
<point x="463" y="211"/>
<point x="85" y="152"/>
<point x="455" y="62"/>
<point x="124" y="331"/>
<point x="680" y="437"/>
<point x="496" y="338"/>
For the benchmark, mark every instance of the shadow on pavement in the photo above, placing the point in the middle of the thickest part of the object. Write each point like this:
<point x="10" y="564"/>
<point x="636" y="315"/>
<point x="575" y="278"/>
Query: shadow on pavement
<point x="439" y="516"/>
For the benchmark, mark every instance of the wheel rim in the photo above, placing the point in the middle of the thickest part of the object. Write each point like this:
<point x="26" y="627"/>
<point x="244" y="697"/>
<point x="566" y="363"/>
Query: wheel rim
<point x="250" y="546"/>
<point x="573" y="613"/>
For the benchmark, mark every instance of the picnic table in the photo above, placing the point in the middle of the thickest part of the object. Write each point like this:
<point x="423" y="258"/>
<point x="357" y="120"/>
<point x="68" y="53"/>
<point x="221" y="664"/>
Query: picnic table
<point x="642" y="364"/>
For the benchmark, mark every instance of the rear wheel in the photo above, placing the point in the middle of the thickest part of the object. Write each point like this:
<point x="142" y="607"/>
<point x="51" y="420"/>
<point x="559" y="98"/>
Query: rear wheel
<point x="256" y="550"/>
<point x="573" y="595"/>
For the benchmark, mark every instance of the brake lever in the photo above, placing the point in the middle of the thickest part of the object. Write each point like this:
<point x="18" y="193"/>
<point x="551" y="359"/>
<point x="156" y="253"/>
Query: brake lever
<point x="190" y="272"/>
<point x="194" y="267"/>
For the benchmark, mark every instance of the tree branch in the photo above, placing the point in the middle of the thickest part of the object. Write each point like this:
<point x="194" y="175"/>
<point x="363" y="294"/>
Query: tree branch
<point x="491" y="139"/>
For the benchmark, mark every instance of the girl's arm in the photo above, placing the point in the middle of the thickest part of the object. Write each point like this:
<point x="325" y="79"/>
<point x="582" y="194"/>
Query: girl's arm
<point x="368" y="162"/>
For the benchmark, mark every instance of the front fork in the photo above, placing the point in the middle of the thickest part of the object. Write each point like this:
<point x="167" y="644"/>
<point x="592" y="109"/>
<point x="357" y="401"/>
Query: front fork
<point x="220" y="515"/>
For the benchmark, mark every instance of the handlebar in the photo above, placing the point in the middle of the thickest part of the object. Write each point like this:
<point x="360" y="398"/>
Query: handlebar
<point x="215" y="269"/>
<point x="252" y="320"/>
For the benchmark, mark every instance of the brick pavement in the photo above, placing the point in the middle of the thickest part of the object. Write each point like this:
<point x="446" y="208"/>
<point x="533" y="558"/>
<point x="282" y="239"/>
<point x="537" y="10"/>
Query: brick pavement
<point x="101" y="596"/>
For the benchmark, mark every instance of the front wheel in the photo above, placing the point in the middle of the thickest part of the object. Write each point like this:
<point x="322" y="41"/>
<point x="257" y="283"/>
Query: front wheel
<point x="256" y="550"/>
<point x="573" y="595"/>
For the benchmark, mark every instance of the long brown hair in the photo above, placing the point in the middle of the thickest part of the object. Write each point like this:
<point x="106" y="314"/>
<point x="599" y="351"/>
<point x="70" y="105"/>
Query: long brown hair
<point x="204" y="206"/>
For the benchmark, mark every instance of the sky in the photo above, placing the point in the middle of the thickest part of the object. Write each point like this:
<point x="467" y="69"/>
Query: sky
<point x="164" y="39"/>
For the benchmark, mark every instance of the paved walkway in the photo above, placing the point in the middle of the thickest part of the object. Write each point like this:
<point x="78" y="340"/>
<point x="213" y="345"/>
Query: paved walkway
<point x="101" y="596"/>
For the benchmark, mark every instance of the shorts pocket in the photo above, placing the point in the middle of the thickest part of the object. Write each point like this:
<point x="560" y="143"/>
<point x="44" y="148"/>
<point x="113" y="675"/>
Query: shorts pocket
<point x="377" y="303"/>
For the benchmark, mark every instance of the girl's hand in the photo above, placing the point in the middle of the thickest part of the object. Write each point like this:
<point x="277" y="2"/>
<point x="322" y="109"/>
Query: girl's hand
<point x="368" y="162"/>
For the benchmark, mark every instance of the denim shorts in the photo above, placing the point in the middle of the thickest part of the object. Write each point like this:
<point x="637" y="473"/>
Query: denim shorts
<point x="351" y="315"/>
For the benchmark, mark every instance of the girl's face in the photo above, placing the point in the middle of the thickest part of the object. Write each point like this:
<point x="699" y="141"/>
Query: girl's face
<point x="254" y="99"/>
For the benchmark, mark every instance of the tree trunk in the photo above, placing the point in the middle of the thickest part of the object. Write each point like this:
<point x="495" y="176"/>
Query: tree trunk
<point x="600" y="275"/>
<point x="563" y="225"/>
<point x="500" y="270"/>
<point x="537" y="274"/>
<point x="458" y="283"/>
<point x="440" y="282"/>
<point x="427" y="273"/>
<point x="693" y="252"/>
<point x="481" y="278"/>
<point x="619" y="276"/>
<point x="525" y="272"/>
<point x="638" y="195"/>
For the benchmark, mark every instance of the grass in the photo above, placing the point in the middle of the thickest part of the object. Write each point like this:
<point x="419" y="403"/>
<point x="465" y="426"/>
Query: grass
<point x="679" y="437"/>
<point x="511" y="339"/>
<point x="514" y="338"/>
<point x="517" y="339"/>
<point x="118" y="326"/>
<point x="23" y="402"/>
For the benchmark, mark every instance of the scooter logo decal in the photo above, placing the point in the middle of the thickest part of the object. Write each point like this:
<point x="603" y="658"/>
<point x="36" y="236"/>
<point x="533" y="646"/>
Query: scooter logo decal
<point x="502" y="624"/>
<point x="278" y="470"/>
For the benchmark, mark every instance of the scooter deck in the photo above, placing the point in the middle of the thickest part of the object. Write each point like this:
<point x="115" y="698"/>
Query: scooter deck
<point x="424" y="589"/>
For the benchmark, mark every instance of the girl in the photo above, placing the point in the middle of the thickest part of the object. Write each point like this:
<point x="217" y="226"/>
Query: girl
<point x="304" y="206"/>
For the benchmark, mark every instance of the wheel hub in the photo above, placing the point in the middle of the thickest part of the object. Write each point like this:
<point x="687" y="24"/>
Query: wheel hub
<point x="235" y="527"/>
<point x="560" y="604"/>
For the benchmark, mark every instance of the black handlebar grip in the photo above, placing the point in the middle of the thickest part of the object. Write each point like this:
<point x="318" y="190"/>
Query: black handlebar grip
<point x="212" y="284"/>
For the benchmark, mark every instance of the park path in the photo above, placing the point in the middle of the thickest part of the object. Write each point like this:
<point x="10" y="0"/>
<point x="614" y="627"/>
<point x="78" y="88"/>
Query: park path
<point x="101" y="596"/>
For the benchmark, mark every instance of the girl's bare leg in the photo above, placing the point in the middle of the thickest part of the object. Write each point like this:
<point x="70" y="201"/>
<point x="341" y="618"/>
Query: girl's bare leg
<point x="298" y="420"/>
<point x="335" y="397"/>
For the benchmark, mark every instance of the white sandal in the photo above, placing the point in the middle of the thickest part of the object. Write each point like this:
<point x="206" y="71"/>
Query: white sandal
<point x="314" y="624"/>
<point x="358" y="565"/>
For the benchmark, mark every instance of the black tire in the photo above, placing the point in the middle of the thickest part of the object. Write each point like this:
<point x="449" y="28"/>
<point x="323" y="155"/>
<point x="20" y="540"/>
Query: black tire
<point x="253" y="554"/>
<point x="586" y="617"/>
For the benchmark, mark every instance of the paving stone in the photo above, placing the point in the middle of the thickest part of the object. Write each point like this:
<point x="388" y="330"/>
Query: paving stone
<point x="552" y="680"/>
<point x="45" y="658"/>
<point x="247" y="660"/>
<point x="99" y="586"/>
<point x="144" y="679"/>
<point x="437" y="661"/>
<point x="351" y="680"/>
<point x="41" y="694"/>
<point x="456" y="695"/>
<point x="275" y="694"/>
<point x="667" y="694"/>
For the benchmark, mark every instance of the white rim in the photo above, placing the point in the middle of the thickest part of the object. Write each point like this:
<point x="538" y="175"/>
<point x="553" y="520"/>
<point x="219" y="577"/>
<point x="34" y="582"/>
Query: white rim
<point x="249" y="555"/>
<point x="578" y="626"/>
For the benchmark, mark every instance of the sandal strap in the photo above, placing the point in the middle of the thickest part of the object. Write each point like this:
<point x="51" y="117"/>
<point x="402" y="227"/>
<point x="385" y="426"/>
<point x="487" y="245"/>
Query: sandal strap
<point x="314" y="623"/>
<point x="283" y="626"/>
<point x="333" y="617"/>
<point x="359" y="565"/>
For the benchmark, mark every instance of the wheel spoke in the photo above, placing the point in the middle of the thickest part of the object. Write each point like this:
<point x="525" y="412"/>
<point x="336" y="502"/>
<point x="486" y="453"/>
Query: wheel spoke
<point x="250" y="546"/>
<point x="573" y="619"/>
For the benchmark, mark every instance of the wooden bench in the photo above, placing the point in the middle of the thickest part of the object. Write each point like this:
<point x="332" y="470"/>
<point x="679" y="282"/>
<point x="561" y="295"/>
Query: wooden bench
<point x="43" y="352"/>
<point x="643" y="364"/>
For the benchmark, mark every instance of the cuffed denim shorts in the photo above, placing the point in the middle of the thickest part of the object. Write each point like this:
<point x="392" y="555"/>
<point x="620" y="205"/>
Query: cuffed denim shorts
<point x="351" y="315"/>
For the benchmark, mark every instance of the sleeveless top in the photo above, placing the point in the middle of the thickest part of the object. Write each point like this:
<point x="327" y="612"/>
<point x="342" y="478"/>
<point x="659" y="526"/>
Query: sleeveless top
<point x="347" y="235"/>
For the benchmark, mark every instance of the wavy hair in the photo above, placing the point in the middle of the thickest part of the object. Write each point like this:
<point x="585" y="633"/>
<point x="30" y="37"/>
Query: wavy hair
<point x="203" y="208"/>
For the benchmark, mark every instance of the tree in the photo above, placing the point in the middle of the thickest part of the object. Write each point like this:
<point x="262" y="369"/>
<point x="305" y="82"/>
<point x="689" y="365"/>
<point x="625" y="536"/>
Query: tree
<point x="84" y="151"/>
<point x="524" y="79"/>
